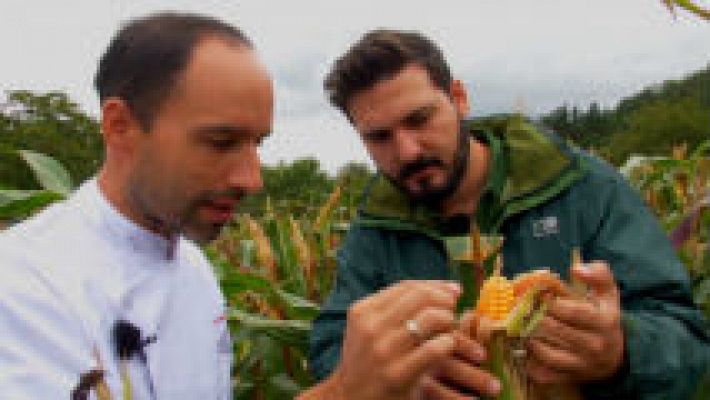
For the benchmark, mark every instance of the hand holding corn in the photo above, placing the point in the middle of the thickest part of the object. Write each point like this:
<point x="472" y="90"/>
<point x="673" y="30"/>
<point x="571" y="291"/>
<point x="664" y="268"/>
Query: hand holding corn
<point x="581" y="337"/>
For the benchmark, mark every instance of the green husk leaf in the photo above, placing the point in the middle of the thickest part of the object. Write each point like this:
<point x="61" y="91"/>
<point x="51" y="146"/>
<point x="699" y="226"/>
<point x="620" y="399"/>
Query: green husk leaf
<point x="466" y="275"/>
<point x="498" y="366"/>
<point x="516" y="321"/>
<point x="534" y="321"/>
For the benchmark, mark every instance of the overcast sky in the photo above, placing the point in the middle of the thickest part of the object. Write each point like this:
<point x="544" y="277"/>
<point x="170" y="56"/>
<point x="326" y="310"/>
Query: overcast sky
<point x="538" y="54"/>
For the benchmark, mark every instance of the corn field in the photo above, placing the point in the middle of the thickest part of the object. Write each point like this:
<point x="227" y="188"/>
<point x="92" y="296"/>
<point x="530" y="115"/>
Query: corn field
<point x="276" y="271"/>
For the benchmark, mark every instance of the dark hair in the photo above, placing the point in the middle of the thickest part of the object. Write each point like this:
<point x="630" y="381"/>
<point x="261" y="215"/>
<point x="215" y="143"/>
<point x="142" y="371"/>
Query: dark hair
<point x="145" y="57"/>
<point x="380" y="54"/>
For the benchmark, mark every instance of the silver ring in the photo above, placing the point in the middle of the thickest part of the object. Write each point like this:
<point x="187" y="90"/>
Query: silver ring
<point x="412" y="326"/>
<point x="520" y="352"/>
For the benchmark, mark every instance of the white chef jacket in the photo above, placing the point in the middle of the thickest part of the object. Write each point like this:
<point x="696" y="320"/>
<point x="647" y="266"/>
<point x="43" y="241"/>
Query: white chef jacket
<point x="69" y="273"/>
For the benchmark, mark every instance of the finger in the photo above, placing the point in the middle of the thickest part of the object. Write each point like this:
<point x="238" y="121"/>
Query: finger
<point x="366" y="315"/>
<point x="543" y="375"/>
<point x="384" y="297"/>
<point x="584" y="314"/>
<point x="468" y="349"/>
<point x="468" y="323"/>
<point x="597" y="275"/>
<point x="467" y="378"/>
<point x="431" y="322"/>
<point x="415" y="363"/>
<point x="415" y="297"/>
<point x="554" y="358"/>
<point x="565" y="337"/>
<point x="435" y="390"/>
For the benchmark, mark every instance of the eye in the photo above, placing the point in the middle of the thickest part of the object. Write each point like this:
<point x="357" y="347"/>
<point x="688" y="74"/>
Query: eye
<point x="221" y="144"/>
<point x="377" y="136"/>
<point x="418" y="118"/>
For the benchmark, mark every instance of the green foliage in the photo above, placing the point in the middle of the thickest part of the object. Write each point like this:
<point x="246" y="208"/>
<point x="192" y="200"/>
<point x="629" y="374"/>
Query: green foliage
<point x="51" y="124"/>
<point x="677" y="189"/>
<point x="650" y="122"/>
<point x="590" y="128"/>
<point x="658" y="126"/>
<point x="300" y="187"/>
<point x="274" y="272"/>
<point x="55" y="181"/>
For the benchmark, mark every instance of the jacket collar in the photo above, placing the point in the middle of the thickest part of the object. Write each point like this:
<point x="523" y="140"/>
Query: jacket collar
<point x="529" y="167"/>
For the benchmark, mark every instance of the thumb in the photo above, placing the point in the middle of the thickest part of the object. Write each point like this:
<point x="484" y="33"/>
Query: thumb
<point x="597" y="276"/>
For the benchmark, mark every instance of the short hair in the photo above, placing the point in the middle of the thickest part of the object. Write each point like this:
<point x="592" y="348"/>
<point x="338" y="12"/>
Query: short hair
<point x="144" y="59"/>
<point x="378" y="55"/>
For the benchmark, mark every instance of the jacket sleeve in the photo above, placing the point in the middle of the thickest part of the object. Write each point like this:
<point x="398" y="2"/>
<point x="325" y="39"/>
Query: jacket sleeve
<point x="667" y="342"/>
<point x="358" y="275"/>
<point x="42" y="351"/>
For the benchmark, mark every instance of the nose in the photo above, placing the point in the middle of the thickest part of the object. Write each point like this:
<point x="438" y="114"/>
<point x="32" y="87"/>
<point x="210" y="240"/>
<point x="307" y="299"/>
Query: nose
<point x="407" y="145"/>
<point x="245" y="173"/>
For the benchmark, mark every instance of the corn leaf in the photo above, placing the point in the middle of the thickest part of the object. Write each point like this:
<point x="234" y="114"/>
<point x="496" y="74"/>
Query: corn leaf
<point x="286" y="332"/>
<point x="25" y="206"/>
<point x="48" y="171"/>
<point x="297" y="307"/>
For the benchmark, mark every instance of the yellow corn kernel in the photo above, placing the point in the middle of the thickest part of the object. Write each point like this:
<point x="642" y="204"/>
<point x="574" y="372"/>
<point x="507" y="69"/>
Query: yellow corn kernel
<point x="496" y="298"/>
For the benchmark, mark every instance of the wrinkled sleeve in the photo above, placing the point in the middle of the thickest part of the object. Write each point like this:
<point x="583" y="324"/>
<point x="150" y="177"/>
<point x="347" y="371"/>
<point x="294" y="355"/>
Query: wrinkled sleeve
<point x="667" y="345"/>
<point x="359" y="264"/>
<point x="41" y="351"/>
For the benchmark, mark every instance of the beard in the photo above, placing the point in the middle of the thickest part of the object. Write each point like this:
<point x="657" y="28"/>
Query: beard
<point x="434" y="196"/>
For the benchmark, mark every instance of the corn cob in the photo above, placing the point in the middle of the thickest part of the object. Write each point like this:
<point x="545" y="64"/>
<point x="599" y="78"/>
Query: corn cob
<point x="496" y="298"/>
<point x="507" y="312"/>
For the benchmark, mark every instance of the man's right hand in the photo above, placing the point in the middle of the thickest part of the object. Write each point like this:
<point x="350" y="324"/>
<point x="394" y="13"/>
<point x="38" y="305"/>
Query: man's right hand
<point x="383" y="359"/>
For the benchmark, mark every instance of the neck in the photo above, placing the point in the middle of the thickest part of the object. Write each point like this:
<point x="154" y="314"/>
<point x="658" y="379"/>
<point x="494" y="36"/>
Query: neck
<point x="465" y="199"/>
<point x="115" y="190"/>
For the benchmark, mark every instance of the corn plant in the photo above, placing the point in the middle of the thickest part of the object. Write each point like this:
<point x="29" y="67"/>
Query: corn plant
<point x="274" y="273"/>
<point x="53" y="178"/>
<point x="677" y="189"/>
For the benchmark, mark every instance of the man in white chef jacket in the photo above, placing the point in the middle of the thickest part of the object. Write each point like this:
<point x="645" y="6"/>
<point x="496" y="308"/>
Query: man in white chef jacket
<point x="185" y="103"/>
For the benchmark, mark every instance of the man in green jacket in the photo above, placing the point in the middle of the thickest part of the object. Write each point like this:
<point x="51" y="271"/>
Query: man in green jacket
<point x="388" y="331"/>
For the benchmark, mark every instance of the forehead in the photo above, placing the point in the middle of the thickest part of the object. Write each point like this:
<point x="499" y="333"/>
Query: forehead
<point x="224" y="80"/>
<point x="390" y="100"/>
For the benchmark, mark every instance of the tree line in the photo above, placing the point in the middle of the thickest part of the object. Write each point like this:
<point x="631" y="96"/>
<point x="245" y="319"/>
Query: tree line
<point x="649" y="122"/>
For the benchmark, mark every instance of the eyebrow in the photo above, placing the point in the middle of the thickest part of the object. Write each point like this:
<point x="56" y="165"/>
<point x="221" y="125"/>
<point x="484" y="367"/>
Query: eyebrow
<point x="219" y="129"/>
<point x="425" y="110"/>
<point x="230" y="130"/>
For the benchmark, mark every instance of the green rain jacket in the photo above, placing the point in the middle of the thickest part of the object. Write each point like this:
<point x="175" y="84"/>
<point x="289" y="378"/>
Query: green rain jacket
<point x="545" y="198"/>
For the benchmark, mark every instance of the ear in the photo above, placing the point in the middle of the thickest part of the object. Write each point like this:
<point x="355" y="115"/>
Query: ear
<point x="460" y="98"/>
<point x="119" y="127"/>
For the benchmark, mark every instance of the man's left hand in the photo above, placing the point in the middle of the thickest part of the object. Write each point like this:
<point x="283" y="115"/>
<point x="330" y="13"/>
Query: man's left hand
<point x="580" y="339"/>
